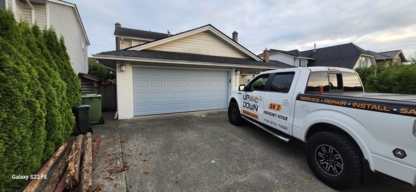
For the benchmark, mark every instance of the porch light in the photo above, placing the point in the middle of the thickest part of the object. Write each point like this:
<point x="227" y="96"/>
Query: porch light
<point x="122" y="67"/>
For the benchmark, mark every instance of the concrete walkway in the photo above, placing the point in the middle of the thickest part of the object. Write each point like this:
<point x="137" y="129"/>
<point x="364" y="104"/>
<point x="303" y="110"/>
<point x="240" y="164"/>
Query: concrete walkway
<point x="108" y="167"/>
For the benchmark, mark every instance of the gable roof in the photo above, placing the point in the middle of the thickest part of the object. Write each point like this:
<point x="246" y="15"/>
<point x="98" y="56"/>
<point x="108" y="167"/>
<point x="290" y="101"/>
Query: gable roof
<point x="135" y="33"/>
<point x="208" y="27"/>
<point x="345" y="55"/>
<point x="163" y="56"/>
<point x="391" y="54"/>
<point x="378" y="56"/>
<point x="294" y="53"/>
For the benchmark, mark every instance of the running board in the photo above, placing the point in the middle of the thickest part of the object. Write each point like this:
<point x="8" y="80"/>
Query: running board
<point x="272" y="131"/>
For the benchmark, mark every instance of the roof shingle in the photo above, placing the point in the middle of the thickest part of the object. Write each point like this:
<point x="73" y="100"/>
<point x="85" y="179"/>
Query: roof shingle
<point x="127" y="32"/>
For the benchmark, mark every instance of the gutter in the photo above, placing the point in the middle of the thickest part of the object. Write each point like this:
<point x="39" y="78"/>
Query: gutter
<point x="33" y="11"/>
<point x="183" y="62"/>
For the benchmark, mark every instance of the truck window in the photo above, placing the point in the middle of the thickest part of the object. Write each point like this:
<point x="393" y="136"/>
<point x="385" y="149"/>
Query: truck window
<point x="282" y="82"/>
<point x="259" y="83"/>
<point x="316" y="79"/>
<point x="335" y="81"/>
<point x="351" y="82"/>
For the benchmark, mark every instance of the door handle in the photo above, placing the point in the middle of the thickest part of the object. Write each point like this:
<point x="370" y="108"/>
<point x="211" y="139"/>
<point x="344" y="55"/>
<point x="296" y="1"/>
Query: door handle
<point x="286" y="102"/>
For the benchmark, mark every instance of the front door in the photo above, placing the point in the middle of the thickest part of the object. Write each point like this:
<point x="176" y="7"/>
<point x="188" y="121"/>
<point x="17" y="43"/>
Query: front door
<point x="278" y="102"/>
<point x="253" y="98"/>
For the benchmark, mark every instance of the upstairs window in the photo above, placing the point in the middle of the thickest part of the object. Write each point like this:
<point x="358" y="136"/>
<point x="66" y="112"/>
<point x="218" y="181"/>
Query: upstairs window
<point x="303" y="63"/>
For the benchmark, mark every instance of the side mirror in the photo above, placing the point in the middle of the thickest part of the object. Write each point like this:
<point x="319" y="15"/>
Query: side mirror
<point x="241" y="87"/>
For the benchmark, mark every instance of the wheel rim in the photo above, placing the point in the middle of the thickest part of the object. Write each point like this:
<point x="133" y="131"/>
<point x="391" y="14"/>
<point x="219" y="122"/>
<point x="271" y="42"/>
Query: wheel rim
<point x="233" y="113"/>
<point x="329" y="160"/>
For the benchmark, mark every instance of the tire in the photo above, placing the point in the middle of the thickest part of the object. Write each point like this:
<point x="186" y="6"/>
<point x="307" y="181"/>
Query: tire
<point x="234" y="114"/>
<point x="335" y="160"/>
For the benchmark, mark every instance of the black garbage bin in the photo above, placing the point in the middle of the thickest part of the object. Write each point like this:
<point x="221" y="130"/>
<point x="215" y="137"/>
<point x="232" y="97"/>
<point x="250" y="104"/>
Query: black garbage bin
<point x="82" y="116"/>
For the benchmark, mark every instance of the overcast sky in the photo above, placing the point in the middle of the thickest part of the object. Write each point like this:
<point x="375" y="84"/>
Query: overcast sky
<point x="279" y="24"/>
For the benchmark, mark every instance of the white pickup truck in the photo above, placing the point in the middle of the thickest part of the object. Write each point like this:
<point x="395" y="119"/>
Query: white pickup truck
<point x="349" y="134"/>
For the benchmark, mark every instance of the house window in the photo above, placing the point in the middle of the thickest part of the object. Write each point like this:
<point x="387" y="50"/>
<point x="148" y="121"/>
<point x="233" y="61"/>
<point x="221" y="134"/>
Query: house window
<point x="83" y="46"/>
<point x="302" y="63"/>
<point x="365" y="62"/>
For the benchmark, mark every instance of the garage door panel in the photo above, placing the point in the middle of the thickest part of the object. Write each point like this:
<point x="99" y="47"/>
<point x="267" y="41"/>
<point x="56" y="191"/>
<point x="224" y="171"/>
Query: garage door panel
<point x="159" y="91"/>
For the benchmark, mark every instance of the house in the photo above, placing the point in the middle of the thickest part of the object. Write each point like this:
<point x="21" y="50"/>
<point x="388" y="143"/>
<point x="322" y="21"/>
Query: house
<point x="63" y="17"/>
<point x="387" y="58"/>
<point x="346" y="55"/>
<point x="126" y="37"/>
<point x="188" y="71"/>
<point x="293" y="57"/>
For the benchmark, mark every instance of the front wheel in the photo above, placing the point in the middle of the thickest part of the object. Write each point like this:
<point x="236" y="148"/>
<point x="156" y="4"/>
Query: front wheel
<point x="234" y="114"/>
<point x="335" y="160"/>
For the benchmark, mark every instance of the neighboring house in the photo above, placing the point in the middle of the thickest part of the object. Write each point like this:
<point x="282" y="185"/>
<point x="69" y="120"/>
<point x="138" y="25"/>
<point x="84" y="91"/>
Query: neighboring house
<point x="293" y="57"/>
<point x="63" y="17"/>
<point x="189" y="71"/>
<point x="387" y="58"/>
<point x="346" y="55"/>
<point x="126" y="37"/>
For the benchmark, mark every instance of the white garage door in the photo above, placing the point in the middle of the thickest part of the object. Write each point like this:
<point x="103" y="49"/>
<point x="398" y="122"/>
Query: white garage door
<point x="159" y="90"/>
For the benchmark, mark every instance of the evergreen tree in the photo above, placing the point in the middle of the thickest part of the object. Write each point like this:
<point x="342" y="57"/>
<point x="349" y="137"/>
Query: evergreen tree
<point x="55" y="90"/>
<point x="21" y="113"/>
<point x="67" y="74"/>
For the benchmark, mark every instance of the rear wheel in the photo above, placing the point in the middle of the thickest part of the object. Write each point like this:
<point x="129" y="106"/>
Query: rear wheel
<point x="234" y="114"/>
<point x="335" y="160"/>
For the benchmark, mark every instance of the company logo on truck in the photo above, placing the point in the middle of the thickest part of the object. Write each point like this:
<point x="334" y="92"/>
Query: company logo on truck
<point x="250" y="102"/>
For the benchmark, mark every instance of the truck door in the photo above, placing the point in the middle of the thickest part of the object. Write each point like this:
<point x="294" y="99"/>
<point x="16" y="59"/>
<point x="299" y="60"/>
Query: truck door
<point x="278" y="101"/>
<point x="253" y="97"/>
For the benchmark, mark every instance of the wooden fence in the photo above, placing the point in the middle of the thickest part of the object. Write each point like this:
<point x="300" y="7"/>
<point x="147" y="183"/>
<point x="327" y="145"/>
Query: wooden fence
<point x="108" y="96"/>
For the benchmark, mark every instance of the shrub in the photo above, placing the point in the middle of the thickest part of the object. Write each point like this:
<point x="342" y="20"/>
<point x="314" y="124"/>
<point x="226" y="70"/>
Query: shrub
<point x="397" y="78"/>
<point x="99" y="71"/>
<point x="21" y="115"/>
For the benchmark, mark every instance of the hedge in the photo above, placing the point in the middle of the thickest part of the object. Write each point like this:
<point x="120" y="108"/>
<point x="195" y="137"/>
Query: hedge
<point x="398" y="78"/>
<point x="38" y="89"/>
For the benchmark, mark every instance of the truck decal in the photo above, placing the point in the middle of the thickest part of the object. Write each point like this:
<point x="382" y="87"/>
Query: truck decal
<point x="250" y="114"/>
<point x="275" y="115"/>
<point x="275" y="107"/>
<point x="357" y="103"/>
<point x="250" y="102"/>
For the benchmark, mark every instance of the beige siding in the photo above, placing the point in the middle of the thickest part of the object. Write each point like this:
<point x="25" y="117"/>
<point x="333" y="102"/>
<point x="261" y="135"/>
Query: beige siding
<point x="125" y="43"/>
<point x="18" y="10"/>
<point x="65" y="22"/>
<point x="137" y="42"/>
<point x="26" y="13"/>
<point x="9" y="4"/>
<point x="205" y="43"/>
<point x="40" y="15"/>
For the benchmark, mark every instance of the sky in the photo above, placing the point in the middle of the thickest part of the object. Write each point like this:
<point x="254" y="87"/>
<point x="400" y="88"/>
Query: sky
<point x="382" y="25"/>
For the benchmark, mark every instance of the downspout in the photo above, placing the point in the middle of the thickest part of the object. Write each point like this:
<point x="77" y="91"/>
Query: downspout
<point x="33" y="11"/>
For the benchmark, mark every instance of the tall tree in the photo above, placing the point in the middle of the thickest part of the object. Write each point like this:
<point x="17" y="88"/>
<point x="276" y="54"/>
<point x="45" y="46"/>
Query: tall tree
<point x="20" y="109"/>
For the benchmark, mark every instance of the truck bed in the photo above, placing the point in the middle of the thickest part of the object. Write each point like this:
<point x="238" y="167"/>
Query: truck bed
<point x="378" y="96"/>
<point x="399" y="104"/>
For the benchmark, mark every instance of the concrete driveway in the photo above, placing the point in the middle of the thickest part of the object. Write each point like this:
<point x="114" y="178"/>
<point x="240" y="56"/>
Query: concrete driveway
<point x="202" y="151"/>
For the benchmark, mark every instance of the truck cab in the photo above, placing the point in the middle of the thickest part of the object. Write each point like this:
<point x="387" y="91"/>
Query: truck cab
<point x="349" y="134"/>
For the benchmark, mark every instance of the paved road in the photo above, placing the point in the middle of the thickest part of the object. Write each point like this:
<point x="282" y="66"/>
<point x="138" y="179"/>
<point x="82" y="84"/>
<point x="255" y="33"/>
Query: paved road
<point x="202" y="151"/>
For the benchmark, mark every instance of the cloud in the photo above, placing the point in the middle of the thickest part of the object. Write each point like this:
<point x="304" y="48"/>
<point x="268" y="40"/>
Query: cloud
<point x="284" y="24"/>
